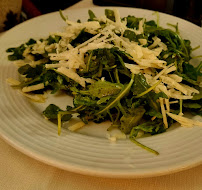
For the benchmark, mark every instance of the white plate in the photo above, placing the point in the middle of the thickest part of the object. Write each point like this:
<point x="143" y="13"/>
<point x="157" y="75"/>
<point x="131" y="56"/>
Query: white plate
<point x="89" y="152"/>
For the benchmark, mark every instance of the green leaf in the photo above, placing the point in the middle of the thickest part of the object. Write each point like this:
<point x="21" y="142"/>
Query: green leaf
<point x="84" y="100"/>
<point x="31" y="42"/>
<point x="190" y="71"/>
<point x="17" y="53"/>
<point x="199" y="68"/>
<point x="140" y="85"/>
<point x="104" y="88"/>
<point x="154" y="113"/>
<point x="82" y="37"/>
<point x="151" y="23"/>
<point x="131" y="120"/>
<point x="31" y="72"/>
<point x="133" y="22"/>
<point x="192" y="105"/>
<point x="110" y="14"/>
<point x="53" y="39"/>
<point x="187" y="78"/>
<point x="151" y="127"/>
<point x="197" y="96"/>
<point x="130" y="35"/>
<point x="91" y="15"/>
<point x="51" y="112"/>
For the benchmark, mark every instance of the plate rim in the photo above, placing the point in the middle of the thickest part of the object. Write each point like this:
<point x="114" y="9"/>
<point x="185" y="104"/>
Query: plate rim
<point x="92" y="172"/>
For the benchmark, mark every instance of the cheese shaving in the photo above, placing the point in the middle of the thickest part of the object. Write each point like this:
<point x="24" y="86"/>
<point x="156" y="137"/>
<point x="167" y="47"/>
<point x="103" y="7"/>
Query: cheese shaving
<point x="186" y="122"/>
<point x="163" y="112"/>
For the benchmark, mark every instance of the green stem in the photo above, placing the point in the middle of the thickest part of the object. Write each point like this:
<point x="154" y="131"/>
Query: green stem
<point x="157" y="18"/>
<point x="61" y="113"/>
<point x="181" y="101"/>
<point x="116" y="75"/>
<point x="143" y="146"/>
<point x="118" y="114"/>
<point x="121" y="109"/>
<point x="112" y="80"/>
<point x="59" y="123"/>
<point x="197" y="47"/>
<point x="199" y="56"/>
<point x="62" y="16"/>
<point x="148" y="90"/>
<point x="121" y="95"/>
<point x="89" y="61"/>
<point x="110" y="115"/>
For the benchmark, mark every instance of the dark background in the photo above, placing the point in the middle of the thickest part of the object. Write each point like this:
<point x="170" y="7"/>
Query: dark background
<point x="190" y="10"/>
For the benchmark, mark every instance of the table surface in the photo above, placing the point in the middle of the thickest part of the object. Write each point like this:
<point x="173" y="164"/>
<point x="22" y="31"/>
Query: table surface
<point x="20" y="172"/>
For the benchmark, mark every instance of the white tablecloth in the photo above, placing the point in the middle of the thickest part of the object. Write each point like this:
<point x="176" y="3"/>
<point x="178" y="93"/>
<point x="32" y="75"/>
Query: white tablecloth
<point x="20" y="172"/>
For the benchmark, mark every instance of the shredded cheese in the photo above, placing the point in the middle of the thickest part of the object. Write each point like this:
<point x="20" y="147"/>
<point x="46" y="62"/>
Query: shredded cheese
<point x="12" y="82"/>
<point x="33" y="87"/>
<point x="186" y="122"/>
<point x="163" y="112"/>
<point x="167" y="104"/>
<point x="76" y="126"/>
<point x="41" y="98"/>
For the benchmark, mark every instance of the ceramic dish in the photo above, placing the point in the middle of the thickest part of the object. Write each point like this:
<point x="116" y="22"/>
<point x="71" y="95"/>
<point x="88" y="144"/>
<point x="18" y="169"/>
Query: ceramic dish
<point x="88" y="151"/>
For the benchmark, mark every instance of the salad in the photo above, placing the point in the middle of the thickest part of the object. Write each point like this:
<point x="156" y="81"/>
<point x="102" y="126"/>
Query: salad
<point x="128" y="70"/>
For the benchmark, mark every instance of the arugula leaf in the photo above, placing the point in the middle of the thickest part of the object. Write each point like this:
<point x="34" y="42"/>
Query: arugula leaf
<point x="84" y="100"/>
<point x="130" y="35"/>
<point x="199" y="69"/>
<point x="91" y="15"/>
<point x="187" y="78"/>
<point x="131" y="120"/>
<point x="31" y="42"/>
<point x="52" y="40"/>
<point x="31" y="72"/>
<point x="197" y="96"/>
<point x="151" y="127"/>
<point x="17" y="53"/>
<point x="51" y="112"/>
<point x="103" y="88"/>
<point x="110" y="14"/>
<point x="140" y="85"/>
<point x="133" y="22"/>
<point x="190" y="71"/>
<point x="154" y="113"/>
<point x="151" y="23"/>
<point x="192" y="105"/>
<point x="82" y="37"/>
